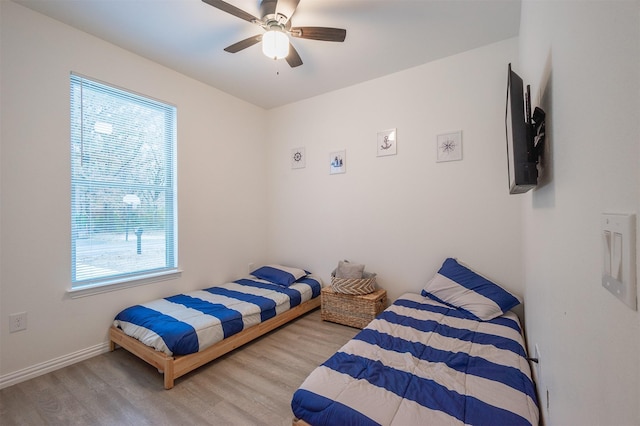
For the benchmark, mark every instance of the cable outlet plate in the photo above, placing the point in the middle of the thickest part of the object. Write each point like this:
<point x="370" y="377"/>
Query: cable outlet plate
<point x="538" y="367"/>
<point x="17" y="322"/>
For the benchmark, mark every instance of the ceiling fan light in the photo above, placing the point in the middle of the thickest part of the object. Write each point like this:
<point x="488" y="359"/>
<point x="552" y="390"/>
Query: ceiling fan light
<point x="275" y="44"/>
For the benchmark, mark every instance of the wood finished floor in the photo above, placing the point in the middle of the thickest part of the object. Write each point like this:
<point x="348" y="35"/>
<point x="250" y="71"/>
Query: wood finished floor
<point x="252" y="385"/>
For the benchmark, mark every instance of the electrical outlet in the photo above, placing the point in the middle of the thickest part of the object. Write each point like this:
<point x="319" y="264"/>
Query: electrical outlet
<point x="17" y="322"/>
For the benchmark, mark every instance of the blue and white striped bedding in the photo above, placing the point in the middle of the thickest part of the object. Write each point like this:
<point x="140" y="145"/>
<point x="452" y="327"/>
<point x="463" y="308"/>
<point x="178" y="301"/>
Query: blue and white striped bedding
<point x="422" y="362"/>
<point x="188" y="323"/>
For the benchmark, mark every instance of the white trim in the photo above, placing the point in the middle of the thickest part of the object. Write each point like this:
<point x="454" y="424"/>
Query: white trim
<point x="52" y="365"/>
<point x="113" y="285"/>
<point x="120" y="88"/>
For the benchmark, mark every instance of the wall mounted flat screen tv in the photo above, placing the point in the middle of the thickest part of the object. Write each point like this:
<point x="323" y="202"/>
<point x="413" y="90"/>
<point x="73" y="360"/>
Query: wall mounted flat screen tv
<point x="523" y="138"/>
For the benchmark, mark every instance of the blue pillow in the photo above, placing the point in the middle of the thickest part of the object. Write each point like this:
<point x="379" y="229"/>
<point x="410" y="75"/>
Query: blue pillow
<point x="278" y="274"/>
<point x="460" y="287"/>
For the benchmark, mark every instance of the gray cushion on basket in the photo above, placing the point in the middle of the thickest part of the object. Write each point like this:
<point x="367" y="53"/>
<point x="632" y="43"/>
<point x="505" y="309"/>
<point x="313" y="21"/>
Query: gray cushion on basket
<point x="349" y="270"/>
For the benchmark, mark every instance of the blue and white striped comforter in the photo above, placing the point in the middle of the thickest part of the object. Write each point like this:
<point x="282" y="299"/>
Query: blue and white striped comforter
<point x="421" y="362"/>
<point x="188" y="323"/>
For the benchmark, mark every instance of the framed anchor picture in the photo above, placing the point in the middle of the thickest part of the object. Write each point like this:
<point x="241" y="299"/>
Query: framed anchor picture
<point x="387" y="142"/>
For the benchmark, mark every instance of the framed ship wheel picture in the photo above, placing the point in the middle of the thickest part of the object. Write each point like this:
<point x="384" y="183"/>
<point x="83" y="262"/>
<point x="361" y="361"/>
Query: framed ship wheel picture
<point x="298" y="158"/>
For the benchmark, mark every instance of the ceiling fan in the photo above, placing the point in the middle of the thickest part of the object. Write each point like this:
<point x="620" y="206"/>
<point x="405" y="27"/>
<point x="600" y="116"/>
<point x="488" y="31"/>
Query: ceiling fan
<point x="276" y="21"/>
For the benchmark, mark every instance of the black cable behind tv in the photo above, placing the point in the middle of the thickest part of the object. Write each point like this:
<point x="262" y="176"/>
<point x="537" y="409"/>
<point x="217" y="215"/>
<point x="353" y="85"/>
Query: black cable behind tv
<point x="525" y="136"/>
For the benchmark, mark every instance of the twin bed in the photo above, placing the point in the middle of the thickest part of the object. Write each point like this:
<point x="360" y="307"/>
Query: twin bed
<point x="180" y="333"/>
<point x="453" y="354"/>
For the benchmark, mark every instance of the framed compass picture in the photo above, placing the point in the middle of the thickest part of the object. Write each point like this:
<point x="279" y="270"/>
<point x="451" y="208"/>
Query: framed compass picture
<point x="449" y="147"/>
<point x="387" y="143"/>
<point x="298" y="158"/>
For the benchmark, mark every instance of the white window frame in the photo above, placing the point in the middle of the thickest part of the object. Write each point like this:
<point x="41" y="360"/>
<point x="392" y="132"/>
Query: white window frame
<point x="111" y="140"/>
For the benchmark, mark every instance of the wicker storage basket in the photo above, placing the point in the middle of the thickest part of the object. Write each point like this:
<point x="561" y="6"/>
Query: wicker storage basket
<point x="355" y="286"/>
<point x="354" y="311"/>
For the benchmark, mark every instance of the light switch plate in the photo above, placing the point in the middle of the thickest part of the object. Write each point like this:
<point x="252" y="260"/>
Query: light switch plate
<point x="619" y="257"/>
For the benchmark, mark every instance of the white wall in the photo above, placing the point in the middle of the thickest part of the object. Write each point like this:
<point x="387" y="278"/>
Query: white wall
<point x="584" y="60"/>
<point x="221" y="173"/>
<point x="400" y="215"/>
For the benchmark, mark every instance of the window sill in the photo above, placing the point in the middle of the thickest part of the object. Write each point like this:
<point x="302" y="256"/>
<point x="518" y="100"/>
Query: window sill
<point x="115" y="285"/>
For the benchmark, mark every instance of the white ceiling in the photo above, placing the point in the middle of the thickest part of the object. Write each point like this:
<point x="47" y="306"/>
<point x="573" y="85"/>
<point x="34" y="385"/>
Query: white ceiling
<point x="383" y="37"/>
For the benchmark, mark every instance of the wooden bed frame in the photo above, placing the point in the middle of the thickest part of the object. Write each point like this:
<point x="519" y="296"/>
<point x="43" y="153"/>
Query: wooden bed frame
<point x="177" y="366"/>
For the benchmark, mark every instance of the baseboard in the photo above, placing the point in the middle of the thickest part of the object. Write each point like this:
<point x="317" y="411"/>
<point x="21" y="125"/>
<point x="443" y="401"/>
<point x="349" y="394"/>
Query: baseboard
<point x="52" y="365"/>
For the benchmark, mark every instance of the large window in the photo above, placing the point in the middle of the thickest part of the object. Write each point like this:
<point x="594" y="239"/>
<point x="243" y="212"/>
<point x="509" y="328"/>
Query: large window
<point x="123" y="185"/>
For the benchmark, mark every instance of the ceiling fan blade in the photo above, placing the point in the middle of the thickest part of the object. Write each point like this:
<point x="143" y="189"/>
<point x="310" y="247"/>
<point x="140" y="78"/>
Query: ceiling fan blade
<point x="319" y="33"/>
<point x="243" y="44"/>
<point x="287" y="8"/>
<point x="293" y="59"/>
<point x="226" y="7"/>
